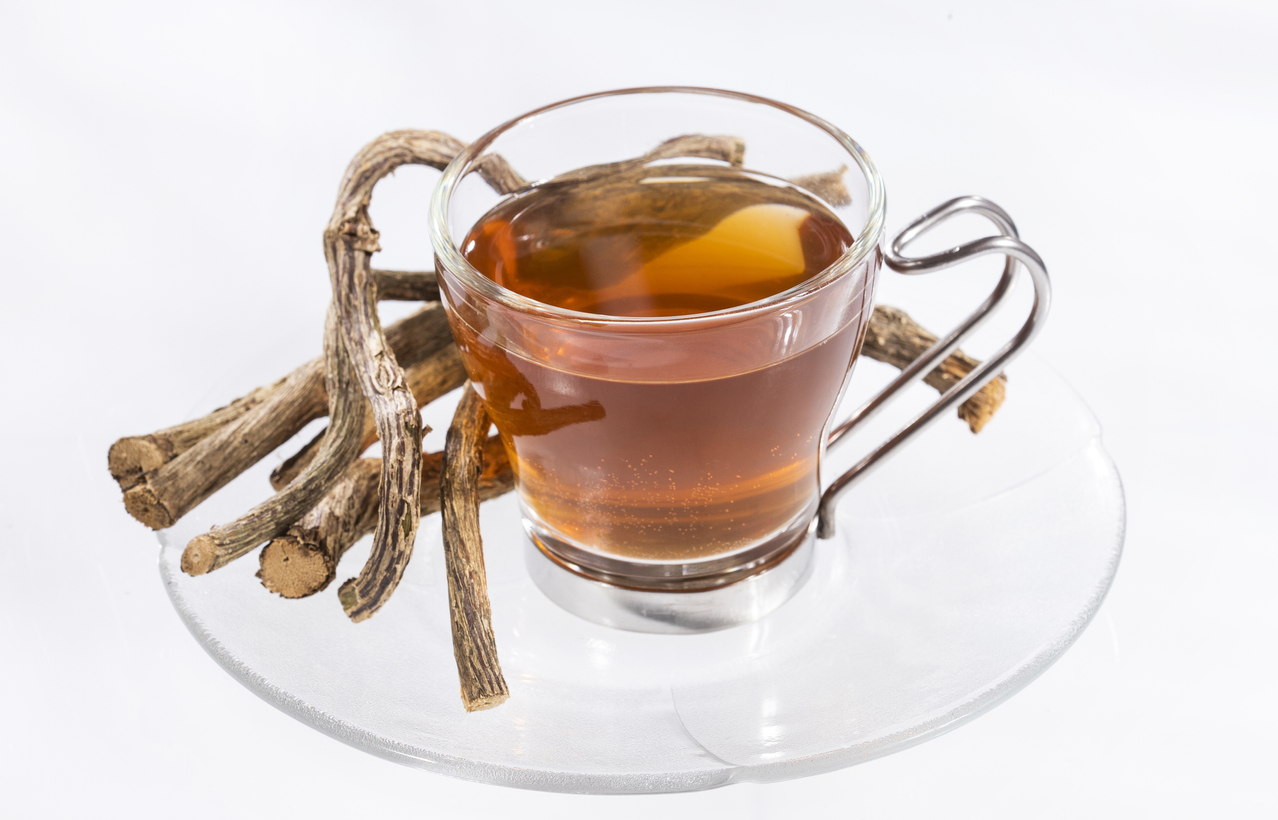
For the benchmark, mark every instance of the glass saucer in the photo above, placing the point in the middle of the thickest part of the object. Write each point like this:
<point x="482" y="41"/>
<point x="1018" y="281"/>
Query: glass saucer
<point x="961" y="570"/>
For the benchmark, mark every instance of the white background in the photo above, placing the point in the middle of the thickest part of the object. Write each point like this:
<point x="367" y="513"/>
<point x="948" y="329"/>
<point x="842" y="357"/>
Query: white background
<point x="165" y="173"/>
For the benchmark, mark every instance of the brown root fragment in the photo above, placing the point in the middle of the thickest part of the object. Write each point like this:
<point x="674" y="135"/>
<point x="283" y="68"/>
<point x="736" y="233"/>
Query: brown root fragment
<point x="304" y="560"/>
<point x="349" y="243"/>
<point x="228" y="443"/>
<point x="160" y="497"/>
<point x="440" y="373"/>
<point x="503" y="179"/>
<point x="132" y="456"/>
<point x="470" y="613"/>
<point x="226" y="542"/>
<point x="725" y="149"/>
<point x="828" y="185"/>
<point x="406" y="286"/>
<point x="896" y="339"/>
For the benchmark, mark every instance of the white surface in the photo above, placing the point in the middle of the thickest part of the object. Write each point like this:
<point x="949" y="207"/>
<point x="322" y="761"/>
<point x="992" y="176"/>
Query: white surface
<point x="155" y="163"/>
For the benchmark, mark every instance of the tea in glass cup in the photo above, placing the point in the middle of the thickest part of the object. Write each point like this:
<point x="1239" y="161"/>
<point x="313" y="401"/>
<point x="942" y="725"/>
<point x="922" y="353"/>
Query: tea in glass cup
<point x="660" y="295"/>
<point x="654" y="467"/>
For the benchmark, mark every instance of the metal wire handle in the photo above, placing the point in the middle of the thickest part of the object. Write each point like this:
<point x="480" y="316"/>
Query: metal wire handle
<point x="1007" y="244"/>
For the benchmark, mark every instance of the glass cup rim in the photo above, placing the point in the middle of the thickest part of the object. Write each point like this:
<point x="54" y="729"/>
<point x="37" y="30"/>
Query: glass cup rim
<point x="450" y="257"/>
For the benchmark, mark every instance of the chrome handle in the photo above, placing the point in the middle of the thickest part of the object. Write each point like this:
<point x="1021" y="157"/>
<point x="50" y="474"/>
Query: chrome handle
<point x="1007" y="244"/>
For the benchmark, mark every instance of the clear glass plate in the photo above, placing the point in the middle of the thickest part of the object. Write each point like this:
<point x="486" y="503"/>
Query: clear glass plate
<point x="962" y="569"/>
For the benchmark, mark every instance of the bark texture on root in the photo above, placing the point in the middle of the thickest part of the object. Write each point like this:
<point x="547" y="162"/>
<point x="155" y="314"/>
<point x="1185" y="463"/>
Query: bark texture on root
<point x="226" y="542"/>
<point x="700" y="146"/>
<point x="349" y="243"/>
<point x="474" y="646"/>
<point x="162" y="496"/>
<point x="896" y="339"/>
<point x="225" y="443"/>
<point x="406" y="286"/>
<point x="438" y="374"/>
<point x="303" y="561"/>
<point x="828" y="185"/>
<point x="132" y="456"/>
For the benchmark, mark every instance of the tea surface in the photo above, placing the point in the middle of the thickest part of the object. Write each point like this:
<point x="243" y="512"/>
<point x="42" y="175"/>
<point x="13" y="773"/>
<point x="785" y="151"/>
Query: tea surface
<point x="669" y="241"/>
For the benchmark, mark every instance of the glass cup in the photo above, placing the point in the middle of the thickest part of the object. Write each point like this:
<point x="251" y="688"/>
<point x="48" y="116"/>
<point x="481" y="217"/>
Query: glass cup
<point x="668" y="467"/>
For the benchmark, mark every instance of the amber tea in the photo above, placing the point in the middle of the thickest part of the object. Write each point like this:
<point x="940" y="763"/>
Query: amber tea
<point x="665" y="470"/>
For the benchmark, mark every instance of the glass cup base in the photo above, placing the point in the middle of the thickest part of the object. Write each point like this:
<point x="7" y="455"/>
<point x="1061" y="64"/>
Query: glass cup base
<point x="747" y="597"/>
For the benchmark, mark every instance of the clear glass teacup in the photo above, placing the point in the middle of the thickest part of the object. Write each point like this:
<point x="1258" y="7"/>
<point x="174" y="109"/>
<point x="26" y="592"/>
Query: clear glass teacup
<point x="669" y="466"/>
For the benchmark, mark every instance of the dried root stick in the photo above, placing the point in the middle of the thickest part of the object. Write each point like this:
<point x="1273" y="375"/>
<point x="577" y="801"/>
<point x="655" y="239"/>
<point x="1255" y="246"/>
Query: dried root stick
<point x="225" y="543"/>
<point x="349" y="243"/>
<point x="304" y="560"/>
<point x="132" y="456"/>
<point x="474" y="646"/>
<point x="205" y="454"/>
<point x="406" y="286"/>
<point x="440" y="373"/>
<point x="896" y="339"/>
